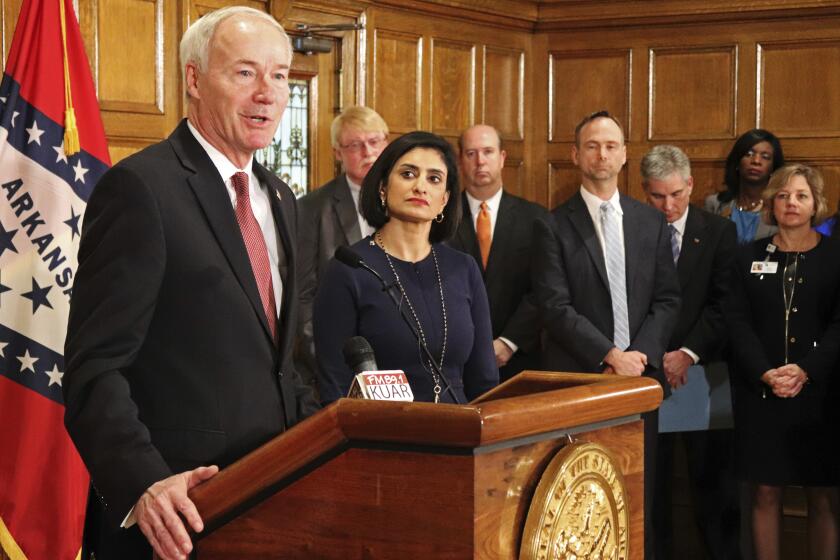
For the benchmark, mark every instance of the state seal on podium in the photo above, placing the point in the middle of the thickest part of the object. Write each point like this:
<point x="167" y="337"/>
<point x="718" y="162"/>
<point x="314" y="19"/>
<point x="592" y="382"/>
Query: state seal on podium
<point x="579" y="509"/>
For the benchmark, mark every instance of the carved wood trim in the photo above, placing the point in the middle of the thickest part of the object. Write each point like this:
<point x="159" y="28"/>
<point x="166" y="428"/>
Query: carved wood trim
<point x="558" y="15"/>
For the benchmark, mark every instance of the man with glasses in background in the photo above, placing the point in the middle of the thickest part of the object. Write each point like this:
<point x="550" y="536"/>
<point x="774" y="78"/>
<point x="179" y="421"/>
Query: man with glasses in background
<point x="330" y="217"/>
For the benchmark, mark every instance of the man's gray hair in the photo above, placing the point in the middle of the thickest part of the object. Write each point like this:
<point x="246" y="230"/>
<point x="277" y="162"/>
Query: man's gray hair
<point x="195" y="44"/>
<point x="662" y="161"/>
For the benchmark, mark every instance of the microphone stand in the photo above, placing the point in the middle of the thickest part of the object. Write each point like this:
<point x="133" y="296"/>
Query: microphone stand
<point x="388" y="288"/>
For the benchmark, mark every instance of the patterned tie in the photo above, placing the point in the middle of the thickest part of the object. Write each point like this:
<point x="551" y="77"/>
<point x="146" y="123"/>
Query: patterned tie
<point x="615" y="272"/>
<point x="255" y="244"/>
<point x="675" y="243"/>
<point x="482" y="232"/>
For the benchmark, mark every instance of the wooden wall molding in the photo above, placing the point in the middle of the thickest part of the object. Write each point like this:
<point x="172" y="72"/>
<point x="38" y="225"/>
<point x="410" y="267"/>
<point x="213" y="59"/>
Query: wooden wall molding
<point x="692" y="92"/>
<point x="804" y="74"/>
<point x="556" y="15"/>
<point x="584" y="81"/>
<point x="507" y="14"/>
<point x="504" y="77"/>
<point x="452" y="66"/>
<point x="397" y="63"/>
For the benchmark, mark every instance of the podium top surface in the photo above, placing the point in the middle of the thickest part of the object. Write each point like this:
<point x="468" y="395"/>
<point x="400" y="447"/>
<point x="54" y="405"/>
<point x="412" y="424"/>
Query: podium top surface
<point x="529" y="404"/>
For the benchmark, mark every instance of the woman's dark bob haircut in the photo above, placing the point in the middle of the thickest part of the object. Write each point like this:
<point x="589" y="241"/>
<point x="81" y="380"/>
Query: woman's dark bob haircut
<point x="371" y="205"/>
<point x="743" y="145"/>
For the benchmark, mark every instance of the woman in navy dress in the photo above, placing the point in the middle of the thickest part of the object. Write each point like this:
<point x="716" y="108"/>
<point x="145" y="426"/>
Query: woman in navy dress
<point x="785" y="342"/>
<point x="411" y="196"/>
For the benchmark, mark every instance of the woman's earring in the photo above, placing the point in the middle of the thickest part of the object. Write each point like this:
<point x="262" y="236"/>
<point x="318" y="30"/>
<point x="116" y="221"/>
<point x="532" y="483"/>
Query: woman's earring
<point x="384" y="203"/>
<point x="439" y="218"/>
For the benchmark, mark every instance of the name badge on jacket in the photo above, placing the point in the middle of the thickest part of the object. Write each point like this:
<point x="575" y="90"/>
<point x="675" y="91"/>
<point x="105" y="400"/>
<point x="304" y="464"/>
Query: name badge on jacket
<point x="764" y="267"/>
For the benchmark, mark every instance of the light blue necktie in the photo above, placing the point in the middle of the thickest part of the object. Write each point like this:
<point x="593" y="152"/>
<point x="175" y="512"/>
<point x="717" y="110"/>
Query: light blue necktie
<point x="610" y="224"/>
<point x="675" y="244"/>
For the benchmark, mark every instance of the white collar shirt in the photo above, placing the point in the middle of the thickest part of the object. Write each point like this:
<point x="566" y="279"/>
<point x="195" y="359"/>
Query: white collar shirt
<point x="593" y="205"/>
<point x="492" y="208"/>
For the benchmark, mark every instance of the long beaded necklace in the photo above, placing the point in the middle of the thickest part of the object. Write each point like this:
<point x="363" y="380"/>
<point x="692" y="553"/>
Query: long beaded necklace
<point x="435" y="376"/>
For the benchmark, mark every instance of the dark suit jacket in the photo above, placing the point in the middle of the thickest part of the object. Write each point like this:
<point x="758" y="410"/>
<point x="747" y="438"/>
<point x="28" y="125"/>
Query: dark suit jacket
<point x="704" y="267"/>
<point x="508" y="276"/>
<point x="169" y="360"/>
<point x="572" y="289"/>
<point x="328" y="220"/>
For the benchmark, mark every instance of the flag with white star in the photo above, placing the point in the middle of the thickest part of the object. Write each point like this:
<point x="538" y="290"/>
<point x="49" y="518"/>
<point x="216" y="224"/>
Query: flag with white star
<point x="43" y="193"/>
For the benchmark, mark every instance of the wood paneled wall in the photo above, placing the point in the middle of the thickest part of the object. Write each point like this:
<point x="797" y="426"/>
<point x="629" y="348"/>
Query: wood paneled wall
<point x="675" y="71"/>
<point x="435" y="72"/>
<point x="699" y="86"/>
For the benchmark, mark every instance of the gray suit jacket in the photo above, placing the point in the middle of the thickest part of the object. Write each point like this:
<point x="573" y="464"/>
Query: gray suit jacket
<point x="328" y="220"/>
<point x="572" y="289"/>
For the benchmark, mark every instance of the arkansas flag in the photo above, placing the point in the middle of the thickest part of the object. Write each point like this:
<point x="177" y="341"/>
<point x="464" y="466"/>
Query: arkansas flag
<point x="52" y="152"/>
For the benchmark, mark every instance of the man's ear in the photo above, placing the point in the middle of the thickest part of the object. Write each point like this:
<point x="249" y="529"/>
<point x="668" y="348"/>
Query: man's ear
<point x="191" y="74"/>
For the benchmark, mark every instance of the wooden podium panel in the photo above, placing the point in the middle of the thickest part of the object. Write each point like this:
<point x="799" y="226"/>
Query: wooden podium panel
<point x="365" y="479"/>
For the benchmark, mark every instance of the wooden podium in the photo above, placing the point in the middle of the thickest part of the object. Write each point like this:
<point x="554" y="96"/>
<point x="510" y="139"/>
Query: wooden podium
<point x="368" y="479"/>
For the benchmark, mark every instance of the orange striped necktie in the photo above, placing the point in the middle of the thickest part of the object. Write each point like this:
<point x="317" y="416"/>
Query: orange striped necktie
<point x="482" y="232"/>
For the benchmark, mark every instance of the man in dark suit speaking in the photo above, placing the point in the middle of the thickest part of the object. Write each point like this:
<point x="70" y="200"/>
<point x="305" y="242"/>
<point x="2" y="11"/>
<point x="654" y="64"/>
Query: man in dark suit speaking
<point x="703" y="246"/>
<point x="183" y="311"/>
<point x="604" y="276"/>
<point x="497" y="229"/>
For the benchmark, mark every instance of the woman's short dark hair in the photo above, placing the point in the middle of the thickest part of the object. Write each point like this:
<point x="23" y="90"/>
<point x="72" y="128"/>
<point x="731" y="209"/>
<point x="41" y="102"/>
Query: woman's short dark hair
<point x="371" y="206"/>
<point x="743" y="145"/>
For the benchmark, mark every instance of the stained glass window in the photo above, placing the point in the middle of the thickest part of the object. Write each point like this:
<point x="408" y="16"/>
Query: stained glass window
<point x="288" y="154"/>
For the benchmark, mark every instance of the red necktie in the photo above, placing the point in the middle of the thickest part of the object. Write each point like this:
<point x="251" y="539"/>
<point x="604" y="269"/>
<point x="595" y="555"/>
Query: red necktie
<point x="482" y="232"/>
<point x="255" y="244"/>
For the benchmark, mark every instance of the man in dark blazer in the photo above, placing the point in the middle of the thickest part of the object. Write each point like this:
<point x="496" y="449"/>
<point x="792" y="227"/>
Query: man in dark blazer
<point x="330" y="217"/>
<point x="183" y="311"/>
<point x="604" y="277"/>
<point x="510" y="223"/>
<point x="704" y="246"/>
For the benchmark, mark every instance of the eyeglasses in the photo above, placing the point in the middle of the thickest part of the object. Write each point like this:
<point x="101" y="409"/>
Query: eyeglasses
<point x="372" y="144"/>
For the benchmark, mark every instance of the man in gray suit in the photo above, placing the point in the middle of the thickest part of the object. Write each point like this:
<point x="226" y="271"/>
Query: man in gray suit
<point x="329" y="215"/>
<point x="604" y="276"/>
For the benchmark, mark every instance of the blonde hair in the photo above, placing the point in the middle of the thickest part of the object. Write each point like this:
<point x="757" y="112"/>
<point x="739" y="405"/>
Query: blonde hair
<point x="781" y="177"/>
<point x="195" y="44"/>
<point x="361" y="118"/>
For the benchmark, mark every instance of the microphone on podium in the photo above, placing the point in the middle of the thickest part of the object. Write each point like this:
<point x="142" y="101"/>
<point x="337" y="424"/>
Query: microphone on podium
<point x="370" y="383"/>
<point x="359" y="355"/>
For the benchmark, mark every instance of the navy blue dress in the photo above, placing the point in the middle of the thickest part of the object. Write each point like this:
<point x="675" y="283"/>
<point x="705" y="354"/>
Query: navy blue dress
<point x="350" y="302"/>
<point x="784" y="441"/>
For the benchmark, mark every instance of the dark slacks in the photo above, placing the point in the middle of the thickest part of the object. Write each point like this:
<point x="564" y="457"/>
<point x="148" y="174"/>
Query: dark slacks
<point x="713" y="487"/>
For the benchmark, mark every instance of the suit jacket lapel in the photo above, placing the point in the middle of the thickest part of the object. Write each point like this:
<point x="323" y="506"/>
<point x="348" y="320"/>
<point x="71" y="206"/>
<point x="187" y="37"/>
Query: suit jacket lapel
<point x="345" y="211"/>
<point x="632" y="243"/>
<point x="209" y="189"/>
<point x="582" y="222"/>
<point x="466" y="231"/>
<point x="285" y="238"/>
<point x="692" y="245"/>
